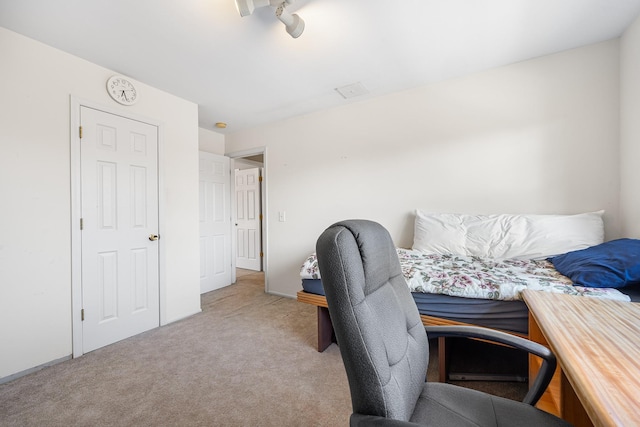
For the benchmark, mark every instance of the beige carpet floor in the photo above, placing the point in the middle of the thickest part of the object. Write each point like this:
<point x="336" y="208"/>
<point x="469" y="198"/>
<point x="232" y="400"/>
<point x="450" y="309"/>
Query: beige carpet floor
<point x="248" y="359"/>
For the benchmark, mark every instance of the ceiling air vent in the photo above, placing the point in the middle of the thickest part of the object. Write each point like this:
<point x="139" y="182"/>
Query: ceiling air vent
<point x="352" y="90"/>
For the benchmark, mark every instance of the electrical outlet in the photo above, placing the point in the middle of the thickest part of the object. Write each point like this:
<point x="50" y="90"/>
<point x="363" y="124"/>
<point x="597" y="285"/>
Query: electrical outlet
<point x="282" y="216"/>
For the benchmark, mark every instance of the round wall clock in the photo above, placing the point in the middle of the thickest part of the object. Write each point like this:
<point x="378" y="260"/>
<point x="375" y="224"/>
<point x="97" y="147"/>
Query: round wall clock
<point x="122" y="90"/>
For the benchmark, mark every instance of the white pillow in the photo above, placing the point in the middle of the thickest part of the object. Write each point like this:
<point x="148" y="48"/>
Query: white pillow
<point x="442" y="233"/>
<point x="506" y="236"/>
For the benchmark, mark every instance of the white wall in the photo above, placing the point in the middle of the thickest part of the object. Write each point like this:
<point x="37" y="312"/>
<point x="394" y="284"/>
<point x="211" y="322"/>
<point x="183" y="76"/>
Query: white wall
<point x="36" y="82"/>
<point x="210" y="141"/>
<point x="630" y="131"/>
<point x="536" y="137"/>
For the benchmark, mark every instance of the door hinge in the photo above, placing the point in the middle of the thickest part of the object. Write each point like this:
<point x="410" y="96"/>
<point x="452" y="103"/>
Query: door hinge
<point x="80" y="132"/>
<point x="82" y="315"/>
<point x="260" y="217"/>
<point x="260" y="178"/>
<point x="261" y="254"/>
<point x="81" y="224"/>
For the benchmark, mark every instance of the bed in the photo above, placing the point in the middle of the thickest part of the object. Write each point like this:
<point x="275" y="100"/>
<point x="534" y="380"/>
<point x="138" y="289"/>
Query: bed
<point x="471" y="269"/>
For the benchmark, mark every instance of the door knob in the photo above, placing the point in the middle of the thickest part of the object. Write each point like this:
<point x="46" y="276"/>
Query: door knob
<point x="153" y="237"/>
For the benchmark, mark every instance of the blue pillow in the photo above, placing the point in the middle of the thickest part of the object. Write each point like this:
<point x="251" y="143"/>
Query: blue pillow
<point x="611" y="264"/>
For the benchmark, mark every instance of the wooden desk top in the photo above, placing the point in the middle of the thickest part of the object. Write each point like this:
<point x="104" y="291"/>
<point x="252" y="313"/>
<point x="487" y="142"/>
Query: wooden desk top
<point x="597" y="343"/>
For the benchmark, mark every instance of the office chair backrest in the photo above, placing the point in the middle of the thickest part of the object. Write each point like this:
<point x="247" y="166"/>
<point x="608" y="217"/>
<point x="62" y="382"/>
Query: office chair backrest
<point x="378" y="328"/>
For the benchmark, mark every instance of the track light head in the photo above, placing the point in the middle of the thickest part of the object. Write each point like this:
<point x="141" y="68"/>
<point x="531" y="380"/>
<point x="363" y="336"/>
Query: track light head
<point x="294" y="24"/>
<point x="246" y="7"/>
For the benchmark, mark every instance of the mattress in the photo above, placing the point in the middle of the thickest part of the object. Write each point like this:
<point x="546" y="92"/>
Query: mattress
<point x="506" y="315"/>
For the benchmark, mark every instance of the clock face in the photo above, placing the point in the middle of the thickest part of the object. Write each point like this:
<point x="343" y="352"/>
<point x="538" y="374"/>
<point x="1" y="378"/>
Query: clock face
<point x="122" y="90"/>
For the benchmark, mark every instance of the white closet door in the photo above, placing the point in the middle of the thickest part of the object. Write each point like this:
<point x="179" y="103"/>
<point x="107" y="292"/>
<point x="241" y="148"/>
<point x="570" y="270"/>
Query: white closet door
<point x="119" y="193"/>
<point x="215" y="222"/>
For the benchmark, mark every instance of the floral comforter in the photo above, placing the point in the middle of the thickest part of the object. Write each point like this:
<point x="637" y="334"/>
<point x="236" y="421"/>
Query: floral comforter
<point x="474" y="277"/>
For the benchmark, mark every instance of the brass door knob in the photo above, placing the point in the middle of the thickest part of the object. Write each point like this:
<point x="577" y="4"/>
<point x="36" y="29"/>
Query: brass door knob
<point x="153" y="237"/>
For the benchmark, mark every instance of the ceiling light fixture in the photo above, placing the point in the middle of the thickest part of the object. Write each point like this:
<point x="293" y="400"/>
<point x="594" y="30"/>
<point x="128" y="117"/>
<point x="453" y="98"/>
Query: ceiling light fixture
<point x="293" y="23"/>
<point x="246" y="7"/>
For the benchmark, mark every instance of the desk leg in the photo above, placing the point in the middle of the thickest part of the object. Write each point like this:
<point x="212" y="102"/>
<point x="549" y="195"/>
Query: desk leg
<point x="572" y="409"/>
<point x="326" y="335"/>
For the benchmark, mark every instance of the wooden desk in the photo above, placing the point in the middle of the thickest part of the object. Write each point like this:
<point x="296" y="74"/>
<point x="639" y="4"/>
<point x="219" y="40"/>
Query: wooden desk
<point x="597" y="344"/>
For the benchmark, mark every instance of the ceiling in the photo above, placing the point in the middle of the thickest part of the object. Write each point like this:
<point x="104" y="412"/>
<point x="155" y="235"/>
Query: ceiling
<point x="249" y="71"/>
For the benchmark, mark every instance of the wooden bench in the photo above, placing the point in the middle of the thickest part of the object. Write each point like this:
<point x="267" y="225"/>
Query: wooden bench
<point x="326" y="336"/>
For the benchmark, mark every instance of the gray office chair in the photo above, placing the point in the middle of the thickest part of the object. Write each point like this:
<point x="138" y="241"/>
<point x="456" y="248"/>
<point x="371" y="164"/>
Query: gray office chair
<point x="385" y="348"/>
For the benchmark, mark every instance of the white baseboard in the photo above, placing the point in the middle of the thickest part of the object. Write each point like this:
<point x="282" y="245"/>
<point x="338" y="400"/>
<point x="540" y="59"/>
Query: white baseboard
<point x="281" y="294"/>
<point x="32" y="370"/>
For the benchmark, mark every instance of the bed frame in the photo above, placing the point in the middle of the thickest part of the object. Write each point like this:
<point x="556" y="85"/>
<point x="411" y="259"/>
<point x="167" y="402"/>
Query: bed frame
<point x="326" y="335"/>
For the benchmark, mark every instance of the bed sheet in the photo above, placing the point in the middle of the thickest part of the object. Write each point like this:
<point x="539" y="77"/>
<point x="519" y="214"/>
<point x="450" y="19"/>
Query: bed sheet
<point x="476" y="277"/>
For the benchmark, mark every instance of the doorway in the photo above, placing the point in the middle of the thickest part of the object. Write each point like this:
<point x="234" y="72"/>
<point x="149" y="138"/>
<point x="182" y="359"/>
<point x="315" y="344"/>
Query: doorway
<point x="244" y="160"/>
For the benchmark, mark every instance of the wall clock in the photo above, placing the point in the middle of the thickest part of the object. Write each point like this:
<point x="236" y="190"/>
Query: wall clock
<point x="122" y="90"/>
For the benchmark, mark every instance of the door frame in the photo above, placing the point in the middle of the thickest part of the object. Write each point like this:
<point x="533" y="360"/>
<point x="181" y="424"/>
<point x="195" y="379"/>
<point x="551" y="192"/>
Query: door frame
<point x="265" y="212"/>
<point x="76" y="209"/>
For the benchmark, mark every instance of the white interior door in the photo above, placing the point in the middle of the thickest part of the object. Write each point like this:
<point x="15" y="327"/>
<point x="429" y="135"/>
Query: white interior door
<point x="248" y="219"/>
<point x="215" y="222"/>
<point x="119" y="205"/>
